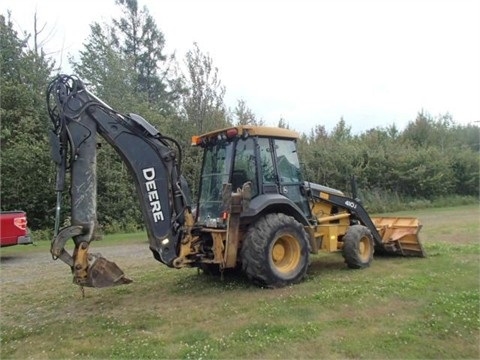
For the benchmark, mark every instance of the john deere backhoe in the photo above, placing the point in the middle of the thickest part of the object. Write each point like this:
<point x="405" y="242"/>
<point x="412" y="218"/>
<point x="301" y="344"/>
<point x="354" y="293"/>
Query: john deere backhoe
<point x="255" y="211"/>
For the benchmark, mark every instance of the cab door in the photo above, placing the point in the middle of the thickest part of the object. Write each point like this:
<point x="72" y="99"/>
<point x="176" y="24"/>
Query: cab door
<point x="289" y="176"/>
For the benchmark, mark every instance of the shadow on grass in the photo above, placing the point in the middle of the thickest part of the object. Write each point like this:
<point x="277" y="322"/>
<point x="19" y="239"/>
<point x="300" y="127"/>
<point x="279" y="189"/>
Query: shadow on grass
<point x="322" y="264"/>
<point x="234" y="280"/>
<point x="203" y="282"/>
<point x="11" y="259"/>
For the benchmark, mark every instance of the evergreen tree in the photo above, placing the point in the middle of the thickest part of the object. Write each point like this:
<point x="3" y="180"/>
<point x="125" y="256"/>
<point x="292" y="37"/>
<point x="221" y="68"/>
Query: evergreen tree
<point x="244" y="115"/>
<point x="104" y="69"/>
<point x="26" y="169"/>
<point x="203" y="104"/>
<point x="203" y="109"/>
<point x="138" y="38"/>
<point x="283" y="124"/>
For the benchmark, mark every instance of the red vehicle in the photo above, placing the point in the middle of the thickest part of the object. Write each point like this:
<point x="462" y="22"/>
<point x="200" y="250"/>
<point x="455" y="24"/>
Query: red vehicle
<point x="13" y="229"/>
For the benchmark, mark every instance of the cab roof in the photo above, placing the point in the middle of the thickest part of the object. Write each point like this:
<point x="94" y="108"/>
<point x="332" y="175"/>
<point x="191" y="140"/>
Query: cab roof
<point x="255" y="131"/>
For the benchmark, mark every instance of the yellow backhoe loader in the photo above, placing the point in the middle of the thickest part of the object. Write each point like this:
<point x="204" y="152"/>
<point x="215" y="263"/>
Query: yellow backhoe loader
<point x="255" y="211"/>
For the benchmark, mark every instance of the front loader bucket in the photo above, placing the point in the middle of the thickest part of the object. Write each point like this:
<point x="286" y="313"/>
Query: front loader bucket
<point x="400" y="235"/>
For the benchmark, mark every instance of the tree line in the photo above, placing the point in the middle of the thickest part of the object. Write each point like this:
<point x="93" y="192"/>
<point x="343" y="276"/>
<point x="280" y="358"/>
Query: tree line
<point x="124" y="62"/>
<point x="430" y="158"/>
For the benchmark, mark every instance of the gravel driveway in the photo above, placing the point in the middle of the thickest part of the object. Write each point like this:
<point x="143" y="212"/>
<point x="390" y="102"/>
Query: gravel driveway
<point x="23" y="267"/>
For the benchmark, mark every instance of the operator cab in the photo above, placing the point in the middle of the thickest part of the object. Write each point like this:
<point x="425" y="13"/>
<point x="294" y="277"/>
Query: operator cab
<point x="265" y="157"/>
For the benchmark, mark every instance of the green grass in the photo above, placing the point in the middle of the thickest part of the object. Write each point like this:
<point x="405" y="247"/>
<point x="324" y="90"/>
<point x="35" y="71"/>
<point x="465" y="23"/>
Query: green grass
<point x="399" y="308"/>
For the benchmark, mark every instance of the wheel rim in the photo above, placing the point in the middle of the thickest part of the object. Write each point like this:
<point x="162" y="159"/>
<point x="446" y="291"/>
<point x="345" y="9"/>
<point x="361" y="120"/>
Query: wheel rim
<point x="286" y="254"/>
<point x="364" y="249"/>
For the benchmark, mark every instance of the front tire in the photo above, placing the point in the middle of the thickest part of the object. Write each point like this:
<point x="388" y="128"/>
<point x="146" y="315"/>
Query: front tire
<point x="275" y="251"/>
<point x="358" y="247"/>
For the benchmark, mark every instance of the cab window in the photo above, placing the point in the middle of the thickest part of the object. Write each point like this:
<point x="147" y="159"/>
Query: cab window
<point x="266" y="161"/>
<point x="244" y="168"/>
<point x="287" y="161"/>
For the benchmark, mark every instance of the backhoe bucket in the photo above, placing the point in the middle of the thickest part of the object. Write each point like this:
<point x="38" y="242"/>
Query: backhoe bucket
<point x="400" y="235"/>
<point x="104" y="273"/>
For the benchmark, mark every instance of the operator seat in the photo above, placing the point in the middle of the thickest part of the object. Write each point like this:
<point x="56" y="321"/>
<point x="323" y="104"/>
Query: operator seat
<point x="239" y="177"/>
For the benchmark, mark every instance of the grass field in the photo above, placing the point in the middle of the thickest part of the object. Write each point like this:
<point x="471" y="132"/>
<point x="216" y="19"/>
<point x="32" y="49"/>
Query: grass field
<point x="399" y="308"/>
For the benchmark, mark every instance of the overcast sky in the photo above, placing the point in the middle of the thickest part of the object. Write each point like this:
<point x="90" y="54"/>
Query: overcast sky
<point x="374" y="63"/>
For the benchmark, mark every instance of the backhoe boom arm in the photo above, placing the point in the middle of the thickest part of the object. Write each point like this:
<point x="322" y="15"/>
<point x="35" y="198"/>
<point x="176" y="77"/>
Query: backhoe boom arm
<point x="163" y="194"/>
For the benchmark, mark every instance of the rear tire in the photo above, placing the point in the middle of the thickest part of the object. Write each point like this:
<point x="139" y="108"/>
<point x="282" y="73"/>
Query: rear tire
<point x="358" y="247"/>
<point x="275" y="251"/>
